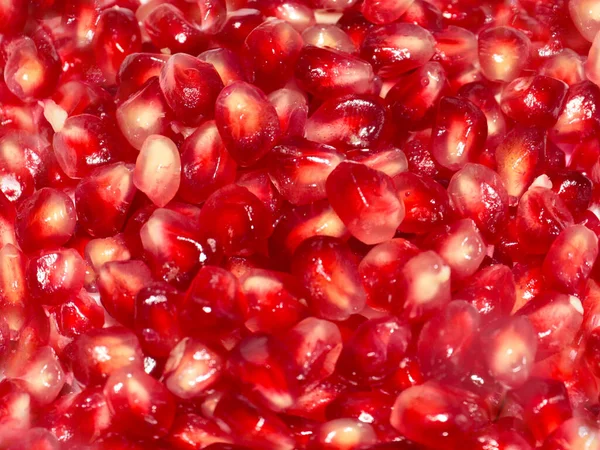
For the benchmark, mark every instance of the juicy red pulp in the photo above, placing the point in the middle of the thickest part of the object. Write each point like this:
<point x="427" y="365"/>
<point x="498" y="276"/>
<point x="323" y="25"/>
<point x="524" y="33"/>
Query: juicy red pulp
<point x="299" y="224"/>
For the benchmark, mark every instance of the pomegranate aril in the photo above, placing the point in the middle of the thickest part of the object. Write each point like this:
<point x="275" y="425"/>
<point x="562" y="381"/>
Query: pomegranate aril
<point x="192" y="368"/>
<point x="247" y="122"/>
<point x="327" y="268"/>
<point x="570" y="259"/>
<point x="455" y="331"/>
<point x="492" y="290"/>
<point x="575" y="432"/>
<point x="566" y="66"/>
<point x="297" y="13"/>
<point x="41" y="376"/>
<point x="116" y="36"/>
<point x="157" y="170"/>
<point x="102" y="199"/>
<point x="579" y="117"/>
<point x="534" y="100"/>
<point x="345" y="74"/>
<point x="79" y="314"/>
<point x="456" y="48"/>
<point x="459" y="132"/>
<point x="36" y="438"/>
<point x="503" y="53"/>
<point x="329" y="36"/>
<point x="239" y="24"/>
<point x="343" y="434"/>
<point x="190" y="87"/>
<point x="483" y="97"/>
<point x="426" y="286"/>
<point x="13" y="16"/>
<point x="396" y="48"/>
<point x="14" y="295"/>
<point x="118" y="284"/>
<point x="496" y="436"/>
<point x="135" y="70"/>
<point x="556" y="319"/>
<point x="140" y="405"/>
<point x="292" y="109"/>
<point x="100" y="251"/>
<point x="84" y="143"/>
<point x="15" y="412"/>
<point x="374" y="351"/>
<point x="438" y="416"/>
<point x="272" y="49"/>
<point x="168" y="29"/>
<point x="541" y="216"/>
<point x="478" y="193"/>
<point x="575" y="189"/>
<point x="174" y="246"/>
<point x="226" y="63"/>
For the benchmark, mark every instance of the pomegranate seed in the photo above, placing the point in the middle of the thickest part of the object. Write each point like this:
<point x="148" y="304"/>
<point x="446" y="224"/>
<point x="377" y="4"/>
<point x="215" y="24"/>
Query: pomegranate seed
<point x="344" y="434"/>
<point x="480" y="95"/>
<point x="117" y="35"/>
<point x="174" y="247"/>
<point x="101" y="352"/>
<point x="247" y="122"/>
<point x="438" y="416"/>
<point x="503" y="53"/>
<point x="135" y="70"/>
<point x="374" y="350"/>
<point x="168" y="29"/>
<point x="84" y="143"/>
<point x="78" y="315"/>
<point x="366" y="201"/>
<point x="239" y="24"/>
<point x="272" y="49"/>
<point x="36" y="438"/>
<point x="478" y="192"/>
<point x="13" y="16"/>
<point x="426" y="203"/>
<point x="118" y="284"/>
<point x="381" y="272"/>
<point x="556" y="318"/>
<point x="345" y="74"/>
<point x="426" y="284"/>
<point x="15" y="416"/>
<point x="534" y="101"/>
<point x="100" y="251"/>
<point x="139" y="404"/>
<point x="460" y="132"/>
<point x="329" y="36"/>
<point x="578" y="119"/>
<point x="592" y="351"/>
<point x="292" y="109"/>
<point x="492" y="290"/>
<point x="574" y="432"/>
<point x="190" y="88"/>
<point x="456" y="48"/>
<point x="566" y="66"/>
<point x="190" y="431"/>
<point x="157" y="170"/>
<point x="102" y="199"/>
<point x="570" y="259"/>
<point x="327" y="268"/>
<point x="298" y="14"/>
<point x="14" y="294"/>
<point x="495" y="435"/>
<point x="541" y="216"/>
<point x="42" y="376"/>
<point x="226" y="63"/>
<point x="192" y="368"/>
<point x="396" y="48"/>
<point x="575" y="189"/>
<point x="300" y="168"/>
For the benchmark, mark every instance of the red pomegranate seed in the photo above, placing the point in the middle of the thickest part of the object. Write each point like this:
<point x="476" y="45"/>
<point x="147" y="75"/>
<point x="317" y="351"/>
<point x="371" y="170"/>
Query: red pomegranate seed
<point x="139" y="404"/>
<point x="426" y="285"/>
<point x="327" y="268"/>
<point x="494" y="435"/>
<point x="42" y="376"/>
<point x="272" y="49"/>
<point x="426" y="203"/>
<point x="100" y="251"/>
<point x="459" y="132"/>
<point x="438" y="416"/>
<point x="366" y="201"/>
<point x="78" y="315"/>
<point x="503" y="53"/>
<point x="374" y="351"/>
<point x="84" y="143"/>
<point x="157" y="170"/>
<point x="455" y="331"/>
<point x="190" y="87"/>
<point x="102" y="351"/>
<point x="192" y="368"/>
<point x="575" y="189"/>
<point x="492" y="290"/>
<point x="396" y="48"/>
<point x="118" y="284"/>
<point x="345" y="74"/>
<point x="578" y="118"/>
<point x="102" y="199"/>
<point x="259" y="183"/>
<point x="168" y="29"/>
<point x="456" y="48"/>
<point x="355" y="121"/>
<point x="570" y="259"/>
<point x="36" y="438"/>
<point x="534" y="101"/>
<point x="275" y="301"/>
<point x="13" y="16"/>
<point x="190" y="431"/>
<point x="226" y="63"/>
<point x="247" y="122"/>
<point x="299" y="169"/>
<point x="14" y="294"/>
<point x="329" y="36"/>
<point x="381" y="272"/>
<point x="541" y="216"/>
<point x="343" y="434"/>
<point x="292" y="109"/>
<point x="414" y="96"/>
<point x="566" y="66"/>
<point x="481" y="96"/>
<point x="575" y="432"/>
<point x="239" y="24"/>
<point x="135" y="70"/>
<point x="384" y="12"/>
<point x="298" y="14"/>
<point x="556" y="318"/>
<point x="15" y="416"/>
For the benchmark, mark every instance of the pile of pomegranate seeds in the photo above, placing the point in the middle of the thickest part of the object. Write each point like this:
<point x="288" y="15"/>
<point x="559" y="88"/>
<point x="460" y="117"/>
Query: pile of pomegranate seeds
<point x="299" y="224"/>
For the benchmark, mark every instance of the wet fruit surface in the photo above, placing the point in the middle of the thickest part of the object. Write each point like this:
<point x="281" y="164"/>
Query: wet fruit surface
<point x="299" y="224"/>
